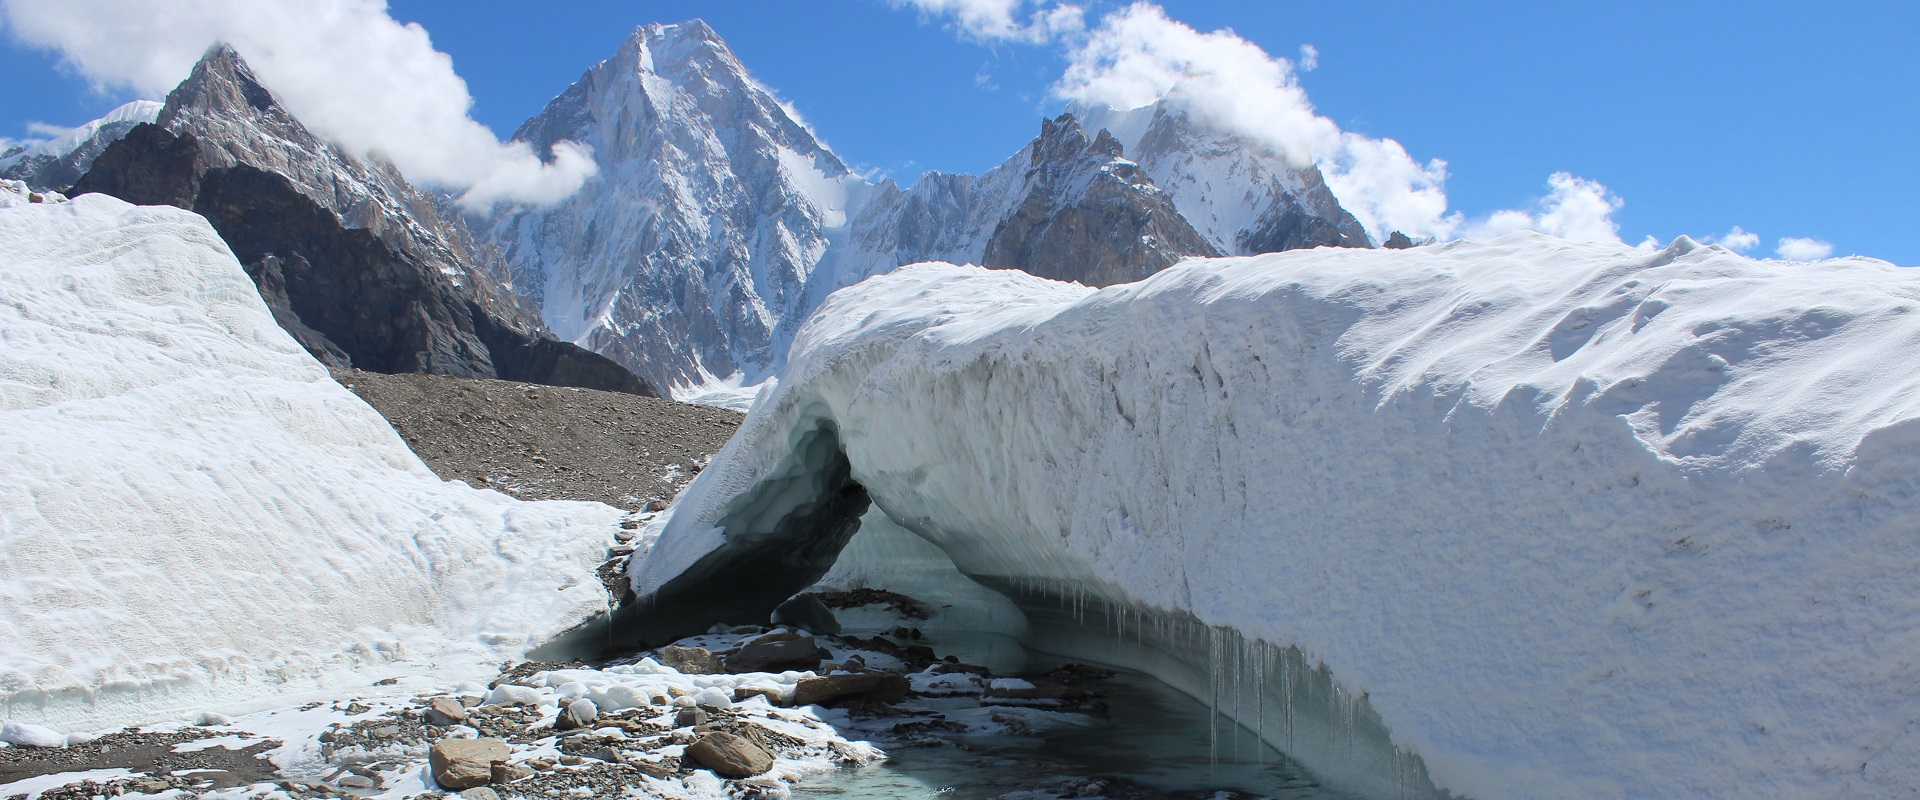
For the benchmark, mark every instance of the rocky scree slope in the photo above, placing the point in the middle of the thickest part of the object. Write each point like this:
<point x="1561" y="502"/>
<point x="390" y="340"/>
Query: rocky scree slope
<point x="362" y="268"/>
<point x="545" y="442"/>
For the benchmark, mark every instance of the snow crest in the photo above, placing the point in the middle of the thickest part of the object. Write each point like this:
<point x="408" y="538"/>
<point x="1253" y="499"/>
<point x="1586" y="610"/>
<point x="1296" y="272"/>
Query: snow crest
<point x="194" y="514"/>
<point x="1578" y="520"/>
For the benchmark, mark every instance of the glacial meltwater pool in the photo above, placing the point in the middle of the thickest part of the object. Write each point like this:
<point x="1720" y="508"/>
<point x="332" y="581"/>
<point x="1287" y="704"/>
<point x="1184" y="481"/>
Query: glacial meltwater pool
<point x="1161" y="743"/>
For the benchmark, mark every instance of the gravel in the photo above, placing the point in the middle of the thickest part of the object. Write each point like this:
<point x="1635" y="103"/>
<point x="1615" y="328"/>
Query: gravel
<point x="548" y="443"/>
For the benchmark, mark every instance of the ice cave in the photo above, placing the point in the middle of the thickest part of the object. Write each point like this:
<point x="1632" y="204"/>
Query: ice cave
<point x="1484" y="520"/>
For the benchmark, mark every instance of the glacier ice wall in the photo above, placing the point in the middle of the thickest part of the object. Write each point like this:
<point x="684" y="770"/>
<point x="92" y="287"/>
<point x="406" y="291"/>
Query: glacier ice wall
<point x="193" y="514"/>
<point x="1571" y="520"/>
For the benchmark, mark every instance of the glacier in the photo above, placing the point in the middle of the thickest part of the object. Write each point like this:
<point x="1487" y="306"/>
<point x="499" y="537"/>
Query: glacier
<point x="194" y="515"/>
<point x="1521" y="518"/>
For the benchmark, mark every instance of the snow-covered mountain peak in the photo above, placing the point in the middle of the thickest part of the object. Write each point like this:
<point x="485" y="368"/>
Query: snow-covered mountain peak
<point x="1242" y="197"/>
<point x="710" y="214"/>
<point x="56" y="163"/>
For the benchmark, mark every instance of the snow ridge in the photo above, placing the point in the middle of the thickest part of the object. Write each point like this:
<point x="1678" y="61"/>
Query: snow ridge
<point x="56" y="163"/>
<point x="1578" y="520"/>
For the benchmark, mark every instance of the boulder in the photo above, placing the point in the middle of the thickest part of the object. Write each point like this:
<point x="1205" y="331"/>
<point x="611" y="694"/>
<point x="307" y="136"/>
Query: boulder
<point x="806" y="611"/>
<point x="465" y="763"/>
<point x="690" y="660"/>
<point x="883" y="686"/>
<point x="446" y="711"/>
<point x="776" y="652"/>
<point x="730" y="756"/>
<point x="480" y="793"/>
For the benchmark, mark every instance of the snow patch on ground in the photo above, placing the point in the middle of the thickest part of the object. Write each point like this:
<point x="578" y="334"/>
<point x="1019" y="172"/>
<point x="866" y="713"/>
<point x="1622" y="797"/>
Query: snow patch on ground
<point x="194" y="515"/>
<point x="1579" y="520"/>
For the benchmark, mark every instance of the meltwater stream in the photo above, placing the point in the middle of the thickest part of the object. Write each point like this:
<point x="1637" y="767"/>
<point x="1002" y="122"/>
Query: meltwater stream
<point x="1157" y="742"/>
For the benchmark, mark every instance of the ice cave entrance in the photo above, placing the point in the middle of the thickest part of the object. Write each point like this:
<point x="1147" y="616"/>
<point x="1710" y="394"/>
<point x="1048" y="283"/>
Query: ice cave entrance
<point x="810" y="527"/>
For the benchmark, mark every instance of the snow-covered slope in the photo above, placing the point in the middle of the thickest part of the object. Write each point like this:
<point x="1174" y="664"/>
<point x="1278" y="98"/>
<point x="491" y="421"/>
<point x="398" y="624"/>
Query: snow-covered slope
<point x="719" y="221"/>
<point x="56" y="163"/>
<point x="708" y="216"/>
<point x="193" y="514"/>
<point x="1574" y="521"/>
<point x="1243" y="199"/>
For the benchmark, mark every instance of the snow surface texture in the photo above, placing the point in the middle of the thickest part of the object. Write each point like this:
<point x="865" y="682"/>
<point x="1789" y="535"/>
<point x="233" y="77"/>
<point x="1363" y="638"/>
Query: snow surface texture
<point x="193" y="514"/>
<point x="1580" y="521"/>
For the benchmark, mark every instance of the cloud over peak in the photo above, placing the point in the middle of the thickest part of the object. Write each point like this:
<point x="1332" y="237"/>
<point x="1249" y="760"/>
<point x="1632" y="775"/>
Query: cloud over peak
<point x="346" y="68"/>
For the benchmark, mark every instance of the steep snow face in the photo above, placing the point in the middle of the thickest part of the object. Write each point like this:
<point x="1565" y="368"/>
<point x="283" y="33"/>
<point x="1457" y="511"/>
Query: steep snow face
<point x="709" y="216"/>
<point x="56" y="163"/>
<point x="1241" y="198"/>
<point x="193" y="514"/>
<point x="1573" y="520"/>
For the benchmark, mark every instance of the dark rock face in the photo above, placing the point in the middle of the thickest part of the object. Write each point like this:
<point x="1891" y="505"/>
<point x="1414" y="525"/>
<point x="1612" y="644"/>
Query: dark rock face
<point x="1289" y="224"/>
<point x="1090" y="215"/>
<point x="392" y="297"/>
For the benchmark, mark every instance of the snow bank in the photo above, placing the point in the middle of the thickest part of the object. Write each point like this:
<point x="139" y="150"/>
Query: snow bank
<point x="193" y="514"/>
<point x="1576" y="520"/>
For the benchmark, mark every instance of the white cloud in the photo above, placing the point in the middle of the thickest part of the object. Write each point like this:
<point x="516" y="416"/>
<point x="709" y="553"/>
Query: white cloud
<point x="1575" y="208"/>
<point x="1138" y="55"/>
<point x="38" y="128"/>
<point x="1738" y="240"/>
<point x="984" y="20"/>
<point x="344" y="67"/>
<point x="1798" y="249"/>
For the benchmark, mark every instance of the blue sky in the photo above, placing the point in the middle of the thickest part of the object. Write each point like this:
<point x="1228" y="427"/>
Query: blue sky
<point x="1784" y="119"/>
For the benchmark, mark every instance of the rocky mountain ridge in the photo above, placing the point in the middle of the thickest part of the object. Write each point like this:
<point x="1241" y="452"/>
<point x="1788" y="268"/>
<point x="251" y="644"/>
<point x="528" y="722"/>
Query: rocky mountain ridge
<point x="361" y="267"/>
<point x="720" y="221"/>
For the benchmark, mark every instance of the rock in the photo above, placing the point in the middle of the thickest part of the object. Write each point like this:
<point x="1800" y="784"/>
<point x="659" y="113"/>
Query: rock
<point x="508" y="773"/>
<point x="465" y="763"/>
<point x="690" y="660"/>
<point x="806" y="611"/>
<point x="357" y="782"/>
<point x="745" y="693"/>
<point x="730" y="756"/>
<point x="689" y="717"/>
<point x="656" y="505"/>
<point x="776" y="652"/>
<point x="480" y="793"/>
<point x="948" y="668"/>
<point x="446" y="711"/>
<point x="25" y="735"/>
<point x="883" y="686"/>
<point x="387" y="731"/>
<point x="578" y="714"/>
